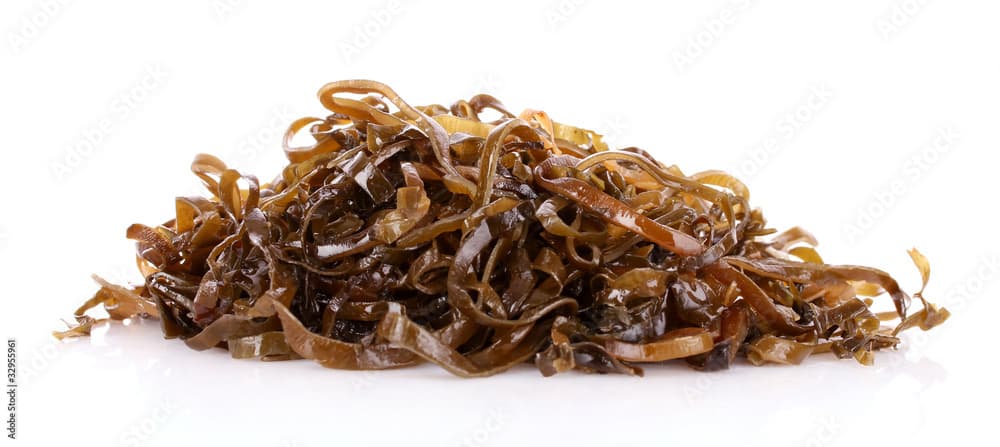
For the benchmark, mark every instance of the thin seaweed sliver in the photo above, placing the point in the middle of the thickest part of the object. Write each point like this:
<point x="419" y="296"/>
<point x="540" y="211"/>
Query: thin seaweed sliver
<point x="405" y="234"/>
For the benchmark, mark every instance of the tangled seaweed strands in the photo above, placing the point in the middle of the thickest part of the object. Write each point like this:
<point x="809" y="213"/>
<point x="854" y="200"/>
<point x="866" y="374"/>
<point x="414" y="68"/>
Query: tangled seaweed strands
<point x="426" y="234"/>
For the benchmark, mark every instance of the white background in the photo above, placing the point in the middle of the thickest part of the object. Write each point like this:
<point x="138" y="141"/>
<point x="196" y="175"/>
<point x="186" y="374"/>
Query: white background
<point x="872" y="123"/>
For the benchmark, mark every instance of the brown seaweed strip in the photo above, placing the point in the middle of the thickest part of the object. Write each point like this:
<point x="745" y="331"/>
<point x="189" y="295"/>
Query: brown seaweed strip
<point x="403" y="235"/>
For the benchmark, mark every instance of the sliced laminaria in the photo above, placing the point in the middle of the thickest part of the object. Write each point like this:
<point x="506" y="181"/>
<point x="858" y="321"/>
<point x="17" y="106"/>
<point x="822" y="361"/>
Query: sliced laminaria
<point x="405" y="234"/>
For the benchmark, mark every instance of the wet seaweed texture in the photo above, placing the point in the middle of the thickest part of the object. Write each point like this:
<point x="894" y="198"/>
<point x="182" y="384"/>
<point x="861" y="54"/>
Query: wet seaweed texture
<point x="401" y="235"/>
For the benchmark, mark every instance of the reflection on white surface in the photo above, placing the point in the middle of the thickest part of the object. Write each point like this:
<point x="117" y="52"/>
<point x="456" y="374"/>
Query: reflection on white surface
<point x="128" y="386"/>
<point x="857" y="173"/>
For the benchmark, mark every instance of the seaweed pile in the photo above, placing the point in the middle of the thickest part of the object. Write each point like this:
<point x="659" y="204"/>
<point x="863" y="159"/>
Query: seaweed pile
<point x="405" y="234"/>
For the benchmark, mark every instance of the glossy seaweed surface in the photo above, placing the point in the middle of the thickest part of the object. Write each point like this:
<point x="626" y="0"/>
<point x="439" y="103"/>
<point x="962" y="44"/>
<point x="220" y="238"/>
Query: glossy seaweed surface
<point x="405" y="234"/>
